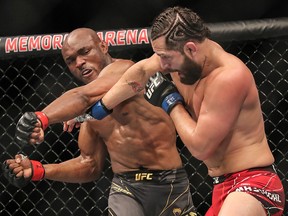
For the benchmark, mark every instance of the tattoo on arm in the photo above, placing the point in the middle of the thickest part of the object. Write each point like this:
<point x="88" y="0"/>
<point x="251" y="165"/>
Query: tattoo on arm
<point x="136" y="87"/>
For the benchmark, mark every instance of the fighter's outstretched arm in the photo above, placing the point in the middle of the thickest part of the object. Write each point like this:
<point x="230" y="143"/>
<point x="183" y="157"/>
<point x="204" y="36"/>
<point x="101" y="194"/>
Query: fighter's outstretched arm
<point x="69" y="105"/>
<point x="76" y="101"/>
<point x="30" y="127"/>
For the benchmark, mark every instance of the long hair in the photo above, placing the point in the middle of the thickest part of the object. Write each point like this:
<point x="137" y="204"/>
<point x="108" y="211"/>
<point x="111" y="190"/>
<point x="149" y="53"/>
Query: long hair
<point x="179" y="25"/>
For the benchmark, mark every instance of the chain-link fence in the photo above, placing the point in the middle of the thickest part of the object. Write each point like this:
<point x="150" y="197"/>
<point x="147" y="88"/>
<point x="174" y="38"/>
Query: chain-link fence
<point x="30" y="83"/>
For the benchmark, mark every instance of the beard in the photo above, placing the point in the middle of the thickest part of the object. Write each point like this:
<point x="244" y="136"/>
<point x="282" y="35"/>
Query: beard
<point x="190" y="72"/>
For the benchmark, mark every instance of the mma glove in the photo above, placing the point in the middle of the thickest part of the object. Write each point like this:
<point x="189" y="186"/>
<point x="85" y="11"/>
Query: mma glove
<point x="26" y="124"/>
<point x="99" y="110"/>
<point x="160" y="91"/>
<point x="38" y="173"/>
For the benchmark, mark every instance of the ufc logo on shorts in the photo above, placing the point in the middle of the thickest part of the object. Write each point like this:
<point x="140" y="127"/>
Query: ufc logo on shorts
<point x="143" y="176"/>
<point x="153" y="83"/>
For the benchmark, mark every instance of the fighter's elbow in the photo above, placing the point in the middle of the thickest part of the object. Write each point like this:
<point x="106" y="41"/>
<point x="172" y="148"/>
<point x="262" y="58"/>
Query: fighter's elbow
<point x="85" y="99"/>
<point x="200" y="152"/>
<point x="95" y="172"/>
<point x="90" y="171"/>
<point x="95" y="175"/>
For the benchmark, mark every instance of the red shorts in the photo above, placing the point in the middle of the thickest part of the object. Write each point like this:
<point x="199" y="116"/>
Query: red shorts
<point x="262" y="183"/>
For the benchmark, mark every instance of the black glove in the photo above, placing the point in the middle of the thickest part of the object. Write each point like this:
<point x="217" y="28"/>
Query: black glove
<point x="161" y="92"/>
<point x="26" y="124"/>
<point x="11" y="177"/>
<point x="38" y="173"/>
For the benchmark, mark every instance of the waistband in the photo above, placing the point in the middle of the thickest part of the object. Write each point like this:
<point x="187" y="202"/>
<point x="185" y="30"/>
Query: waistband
<point x="222" y="178"/>
<point x="153" y="176"/>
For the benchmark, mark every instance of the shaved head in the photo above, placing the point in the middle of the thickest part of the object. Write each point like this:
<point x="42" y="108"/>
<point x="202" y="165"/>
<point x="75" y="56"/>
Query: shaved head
<point x="85" y="54"/>
<point x="80" y="34"/>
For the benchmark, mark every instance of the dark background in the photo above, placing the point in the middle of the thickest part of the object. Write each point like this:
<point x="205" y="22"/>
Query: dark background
<point x="26" y="17"/>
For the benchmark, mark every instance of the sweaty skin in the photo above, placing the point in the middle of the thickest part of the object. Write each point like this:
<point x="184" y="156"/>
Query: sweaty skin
<point x="221" y="123"/>
<point x="136" y="135"/>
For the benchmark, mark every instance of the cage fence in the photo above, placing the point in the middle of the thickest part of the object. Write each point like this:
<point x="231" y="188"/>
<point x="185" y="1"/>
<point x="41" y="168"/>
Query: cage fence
<point x="31" y="79"/>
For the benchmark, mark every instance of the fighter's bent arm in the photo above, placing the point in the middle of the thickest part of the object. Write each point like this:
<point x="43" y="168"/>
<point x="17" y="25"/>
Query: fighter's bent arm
<point x="218" y="113"/>
<point x="85" y="168"/>
<point x="132" y="82"/>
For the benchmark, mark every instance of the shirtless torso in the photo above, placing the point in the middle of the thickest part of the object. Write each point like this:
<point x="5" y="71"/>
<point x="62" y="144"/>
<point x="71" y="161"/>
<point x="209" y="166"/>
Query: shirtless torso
<point x="138" y="135"/>
<point x="245" y="144"/>
<point x="227" y="136"/>
<point x="220" y="122"/>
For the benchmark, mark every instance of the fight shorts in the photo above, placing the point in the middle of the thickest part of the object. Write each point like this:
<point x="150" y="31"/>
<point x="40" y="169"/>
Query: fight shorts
<point x="262" y="183"/>
<point x="151" y="193"/>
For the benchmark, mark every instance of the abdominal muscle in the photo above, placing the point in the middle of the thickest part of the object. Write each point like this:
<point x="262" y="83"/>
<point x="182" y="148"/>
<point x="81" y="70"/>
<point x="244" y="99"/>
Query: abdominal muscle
<point x="137" y="151"/>
<point x="143" y="138"/>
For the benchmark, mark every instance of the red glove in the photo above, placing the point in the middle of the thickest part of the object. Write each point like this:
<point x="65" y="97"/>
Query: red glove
<point x="38" y="173"/>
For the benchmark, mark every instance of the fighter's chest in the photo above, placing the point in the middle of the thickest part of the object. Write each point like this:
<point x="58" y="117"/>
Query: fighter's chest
<point x="193" y="96"/>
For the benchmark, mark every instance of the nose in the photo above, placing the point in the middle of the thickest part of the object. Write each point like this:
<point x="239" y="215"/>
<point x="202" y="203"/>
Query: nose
<point x="79" y="61"/>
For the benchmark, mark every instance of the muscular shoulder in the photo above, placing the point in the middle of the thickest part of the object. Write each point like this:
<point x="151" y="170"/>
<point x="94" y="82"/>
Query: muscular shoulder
<point x="122" y="63"/>
<point x="234" y="81"/>
<point x="118" y="67"/>
<point x="152" y="64"/>
<point x="106" y="79"/>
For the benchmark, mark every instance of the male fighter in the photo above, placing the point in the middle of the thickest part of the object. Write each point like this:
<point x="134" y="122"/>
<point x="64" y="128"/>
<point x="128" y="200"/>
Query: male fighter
<point x="140" y="139"/>
<point x="219" y="118"/>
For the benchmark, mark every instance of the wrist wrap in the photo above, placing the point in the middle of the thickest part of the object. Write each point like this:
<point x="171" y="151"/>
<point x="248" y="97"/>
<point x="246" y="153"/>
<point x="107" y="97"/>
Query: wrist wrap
<point x="43" y="118"/>
<point x="99" y="110"/>
<point x="171" y="100"/>
<point x="83" y="118"/>
<point x="38" y="171"/>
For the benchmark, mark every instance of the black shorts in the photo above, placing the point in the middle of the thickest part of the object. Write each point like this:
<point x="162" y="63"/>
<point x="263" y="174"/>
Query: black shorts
<point x="151" y="193"/>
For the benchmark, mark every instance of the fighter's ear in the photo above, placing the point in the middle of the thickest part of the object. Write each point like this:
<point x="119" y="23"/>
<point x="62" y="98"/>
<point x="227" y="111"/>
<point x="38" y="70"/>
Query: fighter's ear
<point x="190" y="49"/>
<point x="103" y="46"/>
